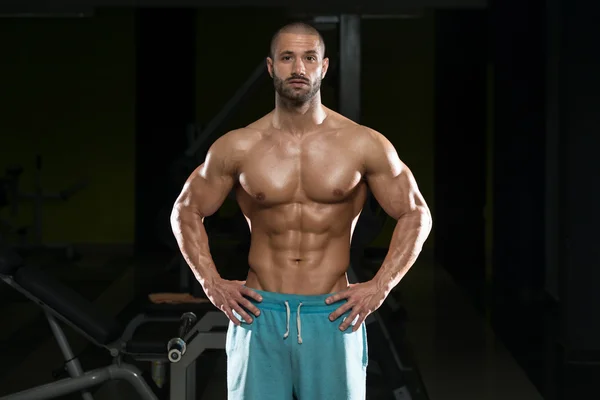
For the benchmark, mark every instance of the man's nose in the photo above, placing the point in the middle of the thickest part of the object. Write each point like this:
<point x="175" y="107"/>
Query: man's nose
<point x="299" y="67"/>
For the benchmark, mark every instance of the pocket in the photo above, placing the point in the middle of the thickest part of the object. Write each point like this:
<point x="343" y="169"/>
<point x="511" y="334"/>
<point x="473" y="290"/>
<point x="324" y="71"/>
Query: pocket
<point x="365" y="346"/>
<point x="229" y="338"/>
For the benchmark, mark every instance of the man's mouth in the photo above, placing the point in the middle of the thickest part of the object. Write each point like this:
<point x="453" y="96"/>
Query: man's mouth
<point x="298" y="82"/>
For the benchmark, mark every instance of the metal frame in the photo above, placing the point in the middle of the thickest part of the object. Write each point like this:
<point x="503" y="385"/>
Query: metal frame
<point x="79" y="380"/>
<point x="48" y="310"/>
<point x="227" y="109"/>
<point x="350" y="106"/>
<point x="85" y="8"/>
<point x="349" y="69"/>
<point x="200" y="338"/>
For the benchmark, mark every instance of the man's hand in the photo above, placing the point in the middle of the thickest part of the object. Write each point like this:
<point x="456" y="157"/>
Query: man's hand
<point x="229" y="295"/>
<point x="363" y="299"/>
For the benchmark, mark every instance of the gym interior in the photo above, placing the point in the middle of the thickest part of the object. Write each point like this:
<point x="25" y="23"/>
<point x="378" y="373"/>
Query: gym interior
<point x="106" y="110"/>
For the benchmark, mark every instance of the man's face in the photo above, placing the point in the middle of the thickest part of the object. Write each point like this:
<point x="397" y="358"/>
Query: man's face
<point x="297" y="67"/>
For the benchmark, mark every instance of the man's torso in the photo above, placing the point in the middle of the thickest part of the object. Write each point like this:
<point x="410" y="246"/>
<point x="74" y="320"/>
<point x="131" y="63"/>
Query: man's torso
<point x="301" y="196"/>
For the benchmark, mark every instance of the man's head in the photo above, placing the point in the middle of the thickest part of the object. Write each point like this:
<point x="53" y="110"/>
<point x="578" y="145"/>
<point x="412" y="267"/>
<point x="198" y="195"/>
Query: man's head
<point x="297" y="62"/>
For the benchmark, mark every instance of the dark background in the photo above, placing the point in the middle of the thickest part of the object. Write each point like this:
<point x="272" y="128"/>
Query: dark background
<point x="495" y="110"/>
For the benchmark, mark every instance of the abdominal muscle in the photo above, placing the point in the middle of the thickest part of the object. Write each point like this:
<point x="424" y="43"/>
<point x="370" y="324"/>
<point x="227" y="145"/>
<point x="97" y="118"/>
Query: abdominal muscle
<point x="288" y="258"/>
<point x="316" y="271"/>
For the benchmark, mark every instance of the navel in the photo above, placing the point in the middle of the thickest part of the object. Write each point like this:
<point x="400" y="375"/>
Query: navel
<point x="260" y="196"/>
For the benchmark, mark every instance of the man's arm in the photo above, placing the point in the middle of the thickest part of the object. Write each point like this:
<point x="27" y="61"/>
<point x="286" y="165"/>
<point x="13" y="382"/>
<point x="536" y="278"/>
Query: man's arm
<point x="202" y="195"/>
<point x="394" y="187"/>
<point x="396" y="190"/>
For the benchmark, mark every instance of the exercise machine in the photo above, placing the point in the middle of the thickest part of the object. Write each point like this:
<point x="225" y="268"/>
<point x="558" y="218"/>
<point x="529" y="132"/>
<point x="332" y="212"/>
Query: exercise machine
<point x="199" y="327"/>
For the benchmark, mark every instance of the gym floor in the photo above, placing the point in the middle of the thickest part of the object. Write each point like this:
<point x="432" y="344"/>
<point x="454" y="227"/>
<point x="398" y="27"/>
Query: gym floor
<point x="456" y="351"/>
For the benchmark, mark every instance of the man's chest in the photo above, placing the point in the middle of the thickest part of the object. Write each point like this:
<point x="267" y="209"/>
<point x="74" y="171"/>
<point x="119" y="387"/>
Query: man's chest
<point x="322" y="169"/>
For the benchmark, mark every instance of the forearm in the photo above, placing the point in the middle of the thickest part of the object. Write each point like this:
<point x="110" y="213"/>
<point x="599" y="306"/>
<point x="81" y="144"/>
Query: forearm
<point x="412" y="229"/>
<point x="192" y="239"/>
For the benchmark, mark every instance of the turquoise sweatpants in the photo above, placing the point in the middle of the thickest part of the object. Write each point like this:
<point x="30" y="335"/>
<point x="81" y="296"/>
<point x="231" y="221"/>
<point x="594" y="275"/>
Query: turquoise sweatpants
<point x="293" y="349"/>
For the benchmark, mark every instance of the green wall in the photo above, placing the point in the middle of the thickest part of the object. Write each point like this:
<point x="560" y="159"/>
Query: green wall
<point x="71" y="98"/>
<point x="68" y="93"/>
<point x="230" y="44"/>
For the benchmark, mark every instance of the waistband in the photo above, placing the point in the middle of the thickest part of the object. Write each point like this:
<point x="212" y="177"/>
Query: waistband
<point x="310" y="303"/>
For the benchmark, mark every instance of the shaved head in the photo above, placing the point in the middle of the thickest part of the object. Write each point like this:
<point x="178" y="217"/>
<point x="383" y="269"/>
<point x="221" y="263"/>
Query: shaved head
<point x="301" y="28"/>
<point x="297" y="63"/>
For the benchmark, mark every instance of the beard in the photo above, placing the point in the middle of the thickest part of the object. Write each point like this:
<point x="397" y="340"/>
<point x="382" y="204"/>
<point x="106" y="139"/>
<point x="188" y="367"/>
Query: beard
<point x="297" y="96"/>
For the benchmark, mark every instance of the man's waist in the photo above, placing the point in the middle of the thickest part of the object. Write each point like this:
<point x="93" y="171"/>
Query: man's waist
<point x="281" y="301"/>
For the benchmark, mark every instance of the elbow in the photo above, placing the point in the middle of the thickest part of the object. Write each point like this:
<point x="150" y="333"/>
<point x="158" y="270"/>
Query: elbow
<point x="425" y="218"/>
<point x="181" y="212"/>
<point x="421" y="216"/>
<point x="175" y="217"/>
<point x="176" y="214"/>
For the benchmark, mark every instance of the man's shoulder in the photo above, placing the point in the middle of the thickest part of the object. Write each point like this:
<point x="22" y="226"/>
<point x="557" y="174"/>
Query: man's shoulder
<point x="240" y="139"/>
<point x="248" y="135"/>
<point x="360" y="134"/>
<point x="351" y="128"/>
<point x="367" y="143"/>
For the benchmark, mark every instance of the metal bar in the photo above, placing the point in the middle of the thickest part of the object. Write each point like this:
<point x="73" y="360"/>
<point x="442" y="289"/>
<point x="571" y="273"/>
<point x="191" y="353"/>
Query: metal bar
<point x="407" y="15"/>
<point x="190" y="383"/>
<point x="326" y="19"/>
<point x="349" y="85"/>
<point x="72" y="363"/>
<point x="553" y="154"/>
<point x="93" y="378"/>
<point x="210" y="320"/>
<point x="181" y="387"/>
<point x="11" y="282"/>
<point x="45" y="10"/>
<point x="350" y="58"/>
<point x="141" y="319"/>
<point x="331" y="5"/>
<point x="227" y="110"/>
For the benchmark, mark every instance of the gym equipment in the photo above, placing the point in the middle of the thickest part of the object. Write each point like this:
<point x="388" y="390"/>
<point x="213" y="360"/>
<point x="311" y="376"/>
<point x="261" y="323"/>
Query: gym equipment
<point x="31" y="238"/>
<point x="62" y="304"/>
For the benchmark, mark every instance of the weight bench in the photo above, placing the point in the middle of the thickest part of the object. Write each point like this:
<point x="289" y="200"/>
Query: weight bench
<point x="61" y="303"/>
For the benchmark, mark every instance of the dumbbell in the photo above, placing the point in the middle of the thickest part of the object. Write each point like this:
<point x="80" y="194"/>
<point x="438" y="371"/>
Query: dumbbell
<point x="176" y="347"/>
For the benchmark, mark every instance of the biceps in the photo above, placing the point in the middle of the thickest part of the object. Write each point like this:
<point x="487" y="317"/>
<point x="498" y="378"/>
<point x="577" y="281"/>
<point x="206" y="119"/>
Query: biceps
<point x="398" y="194"/>
<point x="204" y="194"/>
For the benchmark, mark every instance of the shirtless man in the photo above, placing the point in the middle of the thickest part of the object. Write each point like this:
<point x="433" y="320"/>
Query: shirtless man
<point x="300" y="176"/>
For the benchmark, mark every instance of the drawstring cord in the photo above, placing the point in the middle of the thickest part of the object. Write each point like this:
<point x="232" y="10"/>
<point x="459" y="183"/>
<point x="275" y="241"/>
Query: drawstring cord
<point x="298" y="322"/>
<point x="287" y="309"/>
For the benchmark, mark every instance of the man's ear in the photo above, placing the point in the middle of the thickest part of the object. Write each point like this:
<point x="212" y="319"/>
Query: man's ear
<point x="270" y="66"/>
<point x="325" y="67"/>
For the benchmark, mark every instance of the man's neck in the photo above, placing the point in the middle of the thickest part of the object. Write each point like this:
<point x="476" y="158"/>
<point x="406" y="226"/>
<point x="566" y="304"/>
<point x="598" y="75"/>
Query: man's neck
<point x="298" y="119"/>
